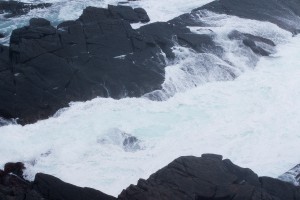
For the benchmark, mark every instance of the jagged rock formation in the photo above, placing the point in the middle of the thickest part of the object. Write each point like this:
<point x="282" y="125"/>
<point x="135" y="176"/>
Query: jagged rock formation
<point x="186" y="178"/>
<point x="17" y="8"/>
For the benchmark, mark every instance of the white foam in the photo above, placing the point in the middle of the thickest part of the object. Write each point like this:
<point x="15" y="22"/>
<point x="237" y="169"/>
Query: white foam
<point x="254" y="121"/>
<point x="191" y="69"/>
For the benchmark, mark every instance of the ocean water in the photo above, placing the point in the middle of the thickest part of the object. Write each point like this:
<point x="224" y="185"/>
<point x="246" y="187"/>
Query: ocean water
<point x="253" y="120"/>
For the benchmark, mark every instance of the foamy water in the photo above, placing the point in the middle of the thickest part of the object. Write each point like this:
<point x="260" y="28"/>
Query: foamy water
<point x="253" y="120"/>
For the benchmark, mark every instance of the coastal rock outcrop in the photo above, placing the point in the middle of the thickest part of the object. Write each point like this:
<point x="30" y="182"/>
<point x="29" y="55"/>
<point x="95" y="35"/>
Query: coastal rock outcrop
<point x="209" y="177"/>
<point x="101" y="55"/>
<point x="187" y="178"/>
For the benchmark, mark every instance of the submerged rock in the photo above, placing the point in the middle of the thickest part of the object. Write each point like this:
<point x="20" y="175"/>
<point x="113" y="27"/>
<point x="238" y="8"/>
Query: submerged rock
<point x="17" y="8"/>
<point x="121" y="139"/>
<point x="259" y="45"/>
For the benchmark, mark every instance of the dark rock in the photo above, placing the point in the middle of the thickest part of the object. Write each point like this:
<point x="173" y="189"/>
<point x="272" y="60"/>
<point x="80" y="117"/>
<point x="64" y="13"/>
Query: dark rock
<point x="212" y="156"/>
<point x="39" y="22"/>
<point x="236" y="35"/>
<point x="131" y="143"/>
<point x="253" y="42"/>
<point x="127" y="13"/>
<point x="165" y="34"/>
<point x="66" y="24"/>
<point x="16" y="8"/>
<point x="14" y="168"/>
<point x="56" y="66"/>
<point x="292" y="176"/>
<point x="279" y="189"/>
<point x="124" y="12"/>
<point x="54" y="189"/>
<point x="186" y="178"/>
<point x="142" y="15"/>
<point x="208" y="178"/>
<point x="45" y="187"/>
<point x="13" y="186"/>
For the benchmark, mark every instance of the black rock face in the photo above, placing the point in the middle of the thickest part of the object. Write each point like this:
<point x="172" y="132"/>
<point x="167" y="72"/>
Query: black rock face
<point x="186" y="178"/>
<point x="16" y="8"/>
<point x="45" y="68"/>
<point x="54" y="189"/>
<point x="208" y="178"/>
<point x="45" y="187"/>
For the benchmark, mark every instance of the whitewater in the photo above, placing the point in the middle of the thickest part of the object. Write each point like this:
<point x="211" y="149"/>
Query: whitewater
<point x="253" y="120"/>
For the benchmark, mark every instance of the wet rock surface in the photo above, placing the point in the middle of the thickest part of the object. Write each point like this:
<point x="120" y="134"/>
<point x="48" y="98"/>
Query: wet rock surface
<point x="46" y="67"/>
<point x="193" y="178"/>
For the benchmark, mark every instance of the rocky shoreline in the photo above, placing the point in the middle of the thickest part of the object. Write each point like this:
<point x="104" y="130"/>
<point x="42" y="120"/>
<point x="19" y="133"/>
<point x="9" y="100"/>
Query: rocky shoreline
<point x="44" y="68"/>
<point x="101" y="55"/>
<point x="208" y="177"/>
